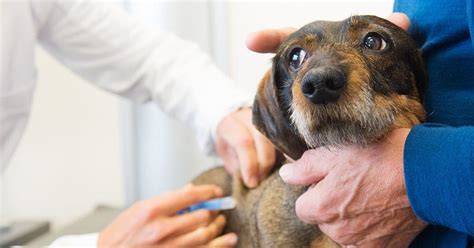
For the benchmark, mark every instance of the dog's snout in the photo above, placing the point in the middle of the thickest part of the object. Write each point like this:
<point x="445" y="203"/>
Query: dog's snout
<point x="323" y="85"/>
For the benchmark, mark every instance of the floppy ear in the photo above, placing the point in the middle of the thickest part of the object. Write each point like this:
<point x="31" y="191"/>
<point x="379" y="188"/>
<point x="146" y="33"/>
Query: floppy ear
<point x="270" y="120"/>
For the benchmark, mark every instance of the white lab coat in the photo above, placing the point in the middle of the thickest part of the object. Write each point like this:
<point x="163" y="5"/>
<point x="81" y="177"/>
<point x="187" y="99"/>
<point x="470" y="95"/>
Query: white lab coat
<point x="104" y="45"/>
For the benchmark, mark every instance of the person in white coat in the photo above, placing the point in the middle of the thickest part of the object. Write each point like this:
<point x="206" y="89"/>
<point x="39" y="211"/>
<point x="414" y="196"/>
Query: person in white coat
<point x="104" y="45"/>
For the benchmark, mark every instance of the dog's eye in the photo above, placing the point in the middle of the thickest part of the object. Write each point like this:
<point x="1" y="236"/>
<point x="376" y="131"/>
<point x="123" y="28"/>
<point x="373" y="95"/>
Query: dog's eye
<point x="374" y="41"/>
<point x="297" y="57"/>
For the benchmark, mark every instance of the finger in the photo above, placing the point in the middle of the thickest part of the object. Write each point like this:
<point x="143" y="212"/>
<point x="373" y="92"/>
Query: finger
<point x="305" y="210"/>
<point x="235" y="133"/>
<point x="266" y="154"/>
<point x="242" y="142"/>
<point x="188" y="222"/>
<point x="228" y="155"/>
<point x="247" y="155"/>
<point x="227" y="240"/>
<point x="200" y="236"/>
<point x="399" y="19"/>
<point x="311" y="168"/>
<point x="267" y="41"/>
<point x="315" y="206"/>
<point x="170" y="203"/>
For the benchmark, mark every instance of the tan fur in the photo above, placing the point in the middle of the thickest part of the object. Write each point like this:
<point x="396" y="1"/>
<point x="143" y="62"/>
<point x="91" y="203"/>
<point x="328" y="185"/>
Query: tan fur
<point x="265" y="216"/>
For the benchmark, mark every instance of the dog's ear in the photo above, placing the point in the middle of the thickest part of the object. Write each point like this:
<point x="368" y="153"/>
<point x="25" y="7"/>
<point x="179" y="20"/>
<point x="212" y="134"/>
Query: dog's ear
<point x="270" y="120"/>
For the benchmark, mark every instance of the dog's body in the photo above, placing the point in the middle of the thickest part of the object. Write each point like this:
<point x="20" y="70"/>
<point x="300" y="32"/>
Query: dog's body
<point x="331" y="84"/>
<point x="265" y="216"/>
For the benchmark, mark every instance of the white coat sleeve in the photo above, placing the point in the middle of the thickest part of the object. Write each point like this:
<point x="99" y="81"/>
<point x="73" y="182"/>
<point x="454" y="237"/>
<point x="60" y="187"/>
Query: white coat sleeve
<point x="104" y="45"/>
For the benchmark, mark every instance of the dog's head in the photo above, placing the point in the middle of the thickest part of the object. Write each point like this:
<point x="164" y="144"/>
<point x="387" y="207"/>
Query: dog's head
<point x="337" y="83"/>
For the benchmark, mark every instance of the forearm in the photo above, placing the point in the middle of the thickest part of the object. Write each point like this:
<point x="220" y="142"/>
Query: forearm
<point x="439" y="172"/>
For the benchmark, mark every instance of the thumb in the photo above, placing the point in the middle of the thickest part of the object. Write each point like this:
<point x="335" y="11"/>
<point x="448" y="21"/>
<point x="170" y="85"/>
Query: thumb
<point x="309" y="169"/>
<point x="399" y="19"/>
<point x="267" y="41"/>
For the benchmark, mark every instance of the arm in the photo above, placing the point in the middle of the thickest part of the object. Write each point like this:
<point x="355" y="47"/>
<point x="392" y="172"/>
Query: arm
<point x="117" y="53"/>
<point x="439" y="175"/>
<point x="107" y="47"/>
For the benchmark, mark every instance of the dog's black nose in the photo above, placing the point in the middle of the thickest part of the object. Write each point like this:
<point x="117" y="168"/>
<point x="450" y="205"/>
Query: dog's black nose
<point x="323" y="85"/>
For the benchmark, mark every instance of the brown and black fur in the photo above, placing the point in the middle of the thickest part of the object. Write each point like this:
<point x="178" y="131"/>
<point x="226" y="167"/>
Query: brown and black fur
<point x="383" y="91"/>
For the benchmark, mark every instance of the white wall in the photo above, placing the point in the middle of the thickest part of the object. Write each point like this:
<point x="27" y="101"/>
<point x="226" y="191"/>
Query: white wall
<point x="166" y="153"/>
<point x="69" y="159"/>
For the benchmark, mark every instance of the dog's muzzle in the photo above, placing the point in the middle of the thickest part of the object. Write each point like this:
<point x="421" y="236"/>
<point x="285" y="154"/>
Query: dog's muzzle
<point x="323" y="85"/>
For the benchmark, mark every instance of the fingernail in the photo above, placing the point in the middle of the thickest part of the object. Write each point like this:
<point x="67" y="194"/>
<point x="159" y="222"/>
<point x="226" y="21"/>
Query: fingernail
<point x="253" y="182"/>
<point x="218" y="191"/>
<point x="221" y="219"/>
<point x="285" y="172"/>
<point x="232" y="239"/>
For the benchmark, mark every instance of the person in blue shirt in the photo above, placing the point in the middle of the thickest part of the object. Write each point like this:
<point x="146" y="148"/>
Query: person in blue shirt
<point x="427" y="170"/>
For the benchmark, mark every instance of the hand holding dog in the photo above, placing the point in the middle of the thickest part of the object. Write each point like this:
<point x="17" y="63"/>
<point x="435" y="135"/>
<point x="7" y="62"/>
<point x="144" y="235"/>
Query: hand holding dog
<point x="154" y="222"/>
<point x="244" y="148"/>
<point x="358" y="195"/>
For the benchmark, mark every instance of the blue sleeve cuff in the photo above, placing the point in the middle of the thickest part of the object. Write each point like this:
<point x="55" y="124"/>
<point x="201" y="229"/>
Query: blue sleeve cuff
<point x="439" y="175"/>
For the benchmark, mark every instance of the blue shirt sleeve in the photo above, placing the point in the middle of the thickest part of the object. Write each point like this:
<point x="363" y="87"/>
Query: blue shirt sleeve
<point x="439" y="174"/>
<point x="439" y="159"/>
<point x="470" y="18"/>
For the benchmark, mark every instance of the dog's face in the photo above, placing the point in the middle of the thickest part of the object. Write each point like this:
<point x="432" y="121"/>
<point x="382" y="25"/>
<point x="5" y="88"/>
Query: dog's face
<point x="336" y="83"/>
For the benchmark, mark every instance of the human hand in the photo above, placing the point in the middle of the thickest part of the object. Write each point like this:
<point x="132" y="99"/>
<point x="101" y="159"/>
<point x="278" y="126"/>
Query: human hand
<point x="268" y="41"/>
<point x="244" y="148"/>
<point x="154" y="222"/>
<point x="357" y="195"/>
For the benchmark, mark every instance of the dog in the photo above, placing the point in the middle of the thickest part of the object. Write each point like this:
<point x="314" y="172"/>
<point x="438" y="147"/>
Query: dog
<point x="331" y="84"/>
